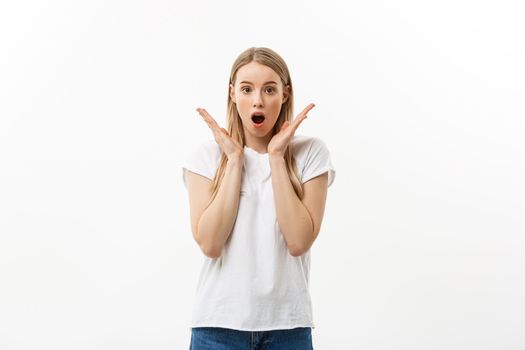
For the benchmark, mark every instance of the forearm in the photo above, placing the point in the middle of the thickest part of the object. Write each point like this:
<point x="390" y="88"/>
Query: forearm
<point x="293" y="218"/>
<point x="217" y="221"/>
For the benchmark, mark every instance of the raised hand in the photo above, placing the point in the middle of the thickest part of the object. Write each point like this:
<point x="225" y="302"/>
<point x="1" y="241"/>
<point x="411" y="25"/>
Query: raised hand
<point x="228" y="145"/>
<point x="280" y="141"/>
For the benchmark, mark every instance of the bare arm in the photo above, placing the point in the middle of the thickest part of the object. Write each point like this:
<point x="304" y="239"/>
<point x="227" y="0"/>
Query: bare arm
<point x="299" y="220"/>
<point x="293" y="217"/>
<point x="217" y="220"/>
<point x="213" y="224"/>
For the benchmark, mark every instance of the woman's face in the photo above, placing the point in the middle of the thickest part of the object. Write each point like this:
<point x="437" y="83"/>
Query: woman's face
<point x="258" y="90"/>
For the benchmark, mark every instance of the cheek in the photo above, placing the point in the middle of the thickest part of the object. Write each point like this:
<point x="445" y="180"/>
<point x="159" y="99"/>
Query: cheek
<point x="243" y="105"/>
<point x="244" y="108"/>
<point x="276" y="105"/>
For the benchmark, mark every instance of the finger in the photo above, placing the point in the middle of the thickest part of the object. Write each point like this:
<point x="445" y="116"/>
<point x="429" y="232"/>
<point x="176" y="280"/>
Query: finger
<point x="301" y="116"/>
<point x="306" y="110"/>
<point x="205" y="115"/>
<point x="208" y="119"/>
<point x="214" y="127"/>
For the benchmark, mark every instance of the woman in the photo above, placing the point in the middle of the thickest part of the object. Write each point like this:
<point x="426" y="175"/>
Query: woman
<point x="257" y="195"/>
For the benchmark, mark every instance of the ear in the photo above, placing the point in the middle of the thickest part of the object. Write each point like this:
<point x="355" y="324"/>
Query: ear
<point x="232" y="93"/>
<point x="286" y="93"/>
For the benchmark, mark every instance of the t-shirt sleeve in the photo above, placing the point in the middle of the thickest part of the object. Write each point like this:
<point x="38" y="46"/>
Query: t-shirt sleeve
<point x="200" y="159"/>
<point x="318" y="162"/>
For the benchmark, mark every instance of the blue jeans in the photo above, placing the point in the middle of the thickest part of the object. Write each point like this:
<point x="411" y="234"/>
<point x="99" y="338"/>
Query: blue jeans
<point x="214" y="338"/>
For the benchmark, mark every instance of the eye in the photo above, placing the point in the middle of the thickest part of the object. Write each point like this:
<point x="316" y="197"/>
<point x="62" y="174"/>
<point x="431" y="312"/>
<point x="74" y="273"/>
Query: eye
<point x="243" y="89"/>
<point x="271" y="89"/>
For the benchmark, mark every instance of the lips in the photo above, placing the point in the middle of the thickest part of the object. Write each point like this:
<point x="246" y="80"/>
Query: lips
<point x="258" y="117"/>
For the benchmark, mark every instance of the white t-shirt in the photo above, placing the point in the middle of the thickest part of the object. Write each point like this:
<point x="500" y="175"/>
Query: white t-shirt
<point x="256" y="284"/>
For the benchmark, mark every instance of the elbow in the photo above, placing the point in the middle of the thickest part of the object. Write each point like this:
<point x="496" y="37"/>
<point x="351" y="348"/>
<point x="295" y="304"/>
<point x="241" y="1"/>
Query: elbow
<point x="212" y="251"/>
<point x="297" y="250"/>
<point x="295" y="253"/>
<point x="207" y="246"/>
<point x="300" y="247"/>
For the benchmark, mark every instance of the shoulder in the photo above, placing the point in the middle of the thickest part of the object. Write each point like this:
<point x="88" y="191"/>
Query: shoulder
<point x="202" y="157"/>
<point x="303" y="145"/>
<point x="312" y="157"/>
<point x="208" y="149"/>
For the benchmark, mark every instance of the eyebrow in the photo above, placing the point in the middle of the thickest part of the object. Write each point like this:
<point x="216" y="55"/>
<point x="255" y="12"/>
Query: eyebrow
<point x="268" y="82"/>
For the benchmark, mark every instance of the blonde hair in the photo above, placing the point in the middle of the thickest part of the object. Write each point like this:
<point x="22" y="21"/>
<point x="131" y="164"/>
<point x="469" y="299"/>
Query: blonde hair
<point x="272" y="60"/>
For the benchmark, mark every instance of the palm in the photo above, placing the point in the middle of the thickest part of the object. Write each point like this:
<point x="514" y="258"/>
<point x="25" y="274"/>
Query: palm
<point x="227" y="144"/>
<point x="280" y="141"/>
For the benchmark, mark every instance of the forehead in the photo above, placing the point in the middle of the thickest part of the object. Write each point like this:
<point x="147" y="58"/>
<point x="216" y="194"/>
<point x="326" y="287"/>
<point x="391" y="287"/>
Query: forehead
<point x="257" y="74"/>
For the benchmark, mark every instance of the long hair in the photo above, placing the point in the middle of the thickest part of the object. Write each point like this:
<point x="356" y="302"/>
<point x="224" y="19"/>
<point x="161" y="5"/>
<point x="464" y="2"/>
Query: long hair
<point x="271" y="59"/>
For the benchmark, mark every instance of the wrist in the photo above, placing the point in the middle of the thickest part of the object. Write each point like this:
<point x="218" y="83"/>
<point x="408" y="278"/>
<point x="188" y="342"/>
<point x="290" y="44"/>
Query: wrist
<point x="275" y="158"/>
<point x="237" y="159"/>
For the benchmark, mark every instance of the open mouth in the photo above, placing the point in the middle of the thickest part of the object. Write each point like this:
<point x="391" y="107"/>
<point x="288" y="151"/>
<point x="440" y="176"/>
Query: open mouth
<point x="258" y="118"/>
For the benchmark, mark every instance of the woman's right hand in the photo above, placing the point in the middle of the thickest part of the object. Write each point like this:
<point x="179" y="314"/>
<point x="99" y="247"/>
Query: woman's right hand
<point x="228" y="145"/>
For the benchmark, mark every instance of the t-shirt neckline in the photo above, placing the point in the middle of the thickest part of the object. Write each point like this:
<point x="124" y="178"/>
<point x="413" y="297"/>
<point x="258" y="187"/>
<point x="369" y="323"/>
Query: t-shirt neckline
<point x="255" y="152"/>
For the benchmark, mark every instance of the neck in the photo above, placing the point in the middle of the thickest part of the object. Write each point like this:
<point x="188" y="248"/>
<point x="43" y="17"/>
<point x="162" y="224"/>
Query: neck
<point x="258" y="144"/>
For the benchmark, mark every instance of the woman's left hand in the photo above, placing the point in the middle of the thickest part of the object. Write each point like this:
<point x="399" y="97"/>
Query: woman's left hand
<point x="280" y="141"/>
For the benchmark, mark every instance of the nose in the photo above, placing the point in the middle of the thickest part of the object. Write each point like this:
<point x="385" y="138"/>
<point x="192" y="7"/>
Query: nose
<point x="257" y="101"/>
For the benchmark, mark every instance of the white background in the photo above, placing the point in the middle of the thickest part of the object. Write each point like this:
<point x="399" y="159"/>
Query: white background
<point x="420" y="103"/>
